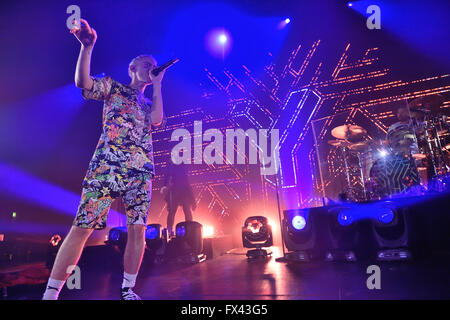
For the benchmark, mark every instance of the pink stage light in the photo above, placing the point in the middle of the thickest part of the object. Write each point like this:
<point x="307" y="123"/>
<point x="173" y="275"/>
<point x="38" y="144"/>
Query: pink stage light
<point x="218" y="42"/>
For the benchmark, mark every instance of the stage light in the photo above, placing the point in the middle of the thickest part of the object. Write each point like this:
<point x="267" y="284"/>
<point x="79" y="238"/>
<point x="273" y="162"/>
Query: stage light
<point x="223" y="39"/>
<point x="156" y="241"/>
<point x="298" y="222"/>
<point x="349" y="4"/>
<point x="14" y="215"/>
<point x="283" y="23"/>
<point x="180" y="231"/>
<point x="386" y="215"/>
<point x="302" y="234"/>
<point x="55" y="240"/>
<point x="55" y="244"/>
<point x="342" y="234"/>
<point x="254" y="226"/>
<point x="208" y="231"/>
<point x="383" y="153"/>
<point x="219" y="42"/>
<point x="114" y="235"/>
<point x="153" y="231"/>
<point x="257" y="233"/>
<point x="344" y="218"/>
<point x="391" y="230"/>
<point x="118" y="237"/>
<point x="189" y="242"/>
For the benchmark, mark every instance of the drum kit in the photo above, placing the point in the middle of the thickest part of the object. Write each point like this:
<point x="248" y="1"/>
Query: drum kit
<point x="412" y="159"/>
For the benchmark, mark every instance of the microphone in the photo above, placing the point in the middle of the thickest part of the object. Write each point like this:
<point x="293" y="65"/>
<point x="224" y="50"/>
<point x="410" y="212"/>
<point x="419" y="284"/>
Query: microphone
<point x="164" y="66"/>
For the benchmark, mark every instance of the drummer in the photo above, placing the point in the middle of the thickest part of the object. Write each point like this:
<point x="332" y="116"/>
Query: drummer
<point x="401" y="135"/>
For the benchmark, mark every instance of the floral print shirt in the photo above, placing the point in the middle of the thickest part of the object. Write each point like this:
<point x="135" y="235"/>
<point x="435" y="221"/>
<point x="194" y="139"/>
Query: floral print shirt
<point x="126" y="139"/>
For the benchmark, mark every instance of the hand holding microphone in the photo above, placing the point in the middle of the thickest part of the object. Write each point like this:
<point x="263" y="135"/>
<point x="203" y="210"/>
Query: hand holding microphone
<point x="164" y="66"/>
<point x="157" y="73"/>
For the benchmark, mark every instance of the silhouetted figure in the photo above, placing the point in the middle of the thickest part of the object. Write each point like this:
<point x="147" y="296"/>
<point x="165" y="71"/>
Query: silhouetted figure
<point x="178" y="192"/>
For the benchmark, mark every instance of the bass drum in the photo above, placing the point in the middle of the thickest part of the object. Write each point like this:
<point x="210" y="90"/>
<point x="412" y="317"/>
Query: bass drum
<point x="391" y="175"/>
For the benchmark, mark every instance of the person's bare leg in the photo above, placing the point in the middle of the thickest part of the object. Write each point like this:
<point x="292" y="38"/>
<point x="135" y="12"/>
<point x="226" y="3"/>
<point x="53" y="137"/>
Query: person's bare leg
<point x="134" y="250"/>
<point x="132" y="257"/>
<point x="70" y="252"/>
<point x="68" y="255"/>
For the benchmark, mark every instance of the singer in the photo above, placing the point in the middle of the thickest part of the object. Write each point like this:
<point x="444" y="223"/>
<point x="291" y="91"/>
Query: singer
<point x="121" y="166"/>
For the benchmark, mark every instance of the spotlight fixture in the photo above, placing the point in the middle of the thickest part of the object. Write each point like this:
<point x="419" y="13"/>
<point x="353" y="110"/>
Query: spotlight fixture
<point x="222" y="38"/>
<point x="55" y="240"/>
<point x="298" y="222"/>
<point x="344" y="218"/>
<point x="283" y="23"/>
<point x="300" y="234"/>
<point x="383" y="153"/>
<point x="154" y="236"/>
<point x="181" y="231"/>
<point x="189" y="242"/>
<point x="342" y="233"/>
<point x="156" y="241"/>
<point x="117" y="237"/>
<point x="257" y="233"/>
<point x="386" y="216"/>
<point x="391" y="231"/>
<point x="219" y="42"/>
<point x="54" y="244"/>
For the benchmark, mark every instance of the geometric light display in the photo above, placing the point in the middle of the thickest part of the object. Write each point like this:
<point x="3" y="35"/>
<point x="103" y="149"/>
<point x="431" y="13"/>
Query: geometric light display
<point x="310" y="84"/>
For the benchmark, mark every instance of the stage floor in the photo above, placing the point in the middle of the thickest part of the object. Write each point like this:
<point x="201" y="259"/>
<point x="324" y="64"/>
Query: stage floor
<point x="231" y="276"/>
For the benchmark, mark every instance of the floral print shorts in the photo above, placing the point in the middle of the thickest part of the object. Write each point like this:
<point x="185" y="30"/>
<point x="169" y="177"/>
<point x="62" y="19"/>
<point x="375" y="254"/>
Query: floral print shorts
<point x="103" y="184"/>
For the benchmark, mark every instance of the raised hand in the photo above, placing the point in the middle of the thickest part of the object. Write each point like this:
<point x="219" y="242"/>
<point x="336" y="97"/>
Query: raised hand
<point x="157" y="79"/>
<point x="84" y="33"/>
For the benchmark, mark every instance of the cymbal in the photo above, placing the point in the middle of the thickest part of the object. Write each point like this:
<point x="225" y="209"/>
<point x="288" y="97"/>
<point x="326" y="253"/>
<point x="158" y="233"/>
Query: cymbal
<point x="419" y="156"/>
<point x="338" y="143"/>
<point x="352" y="133"/>
<point x="359" y="146"/>
<point x="430" y="102"/>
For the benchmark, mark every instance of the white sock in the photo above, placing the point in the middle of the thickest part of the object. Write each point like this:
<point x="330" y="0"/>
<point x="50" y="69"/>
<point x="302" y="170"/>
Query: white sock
<point x="129" y="280"/>
<point x="53" y="288"/>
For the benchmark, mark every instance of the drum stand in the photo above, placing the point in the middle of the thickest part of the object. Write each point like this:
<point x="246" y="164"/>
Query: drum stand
<point x="439" y="166"/>
<point x="347" y="173"/>
<point x="440" y="155"/>
<point x="362" y="176"/>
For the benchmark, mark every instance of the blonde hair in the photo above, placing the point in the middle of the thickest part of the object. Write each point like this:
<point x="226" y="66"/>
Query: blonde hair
<point x="135" y="60"/>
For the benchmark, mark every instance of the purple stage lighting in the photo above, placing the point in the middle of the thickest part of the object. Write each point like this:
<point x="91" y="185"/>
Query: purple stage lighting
<point x="218" y="42"/>
<point x="222" y="38"/>
<point x="283" y="23"/>
<point x="151" y="232"/>
<point x="181" y="231"/>
<point x="298" y="222"/>
<point x="383" y="153"/>
<point x="344" y="218"/>
<point x="386" y="216"/>
<point x="20" y="184"/>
